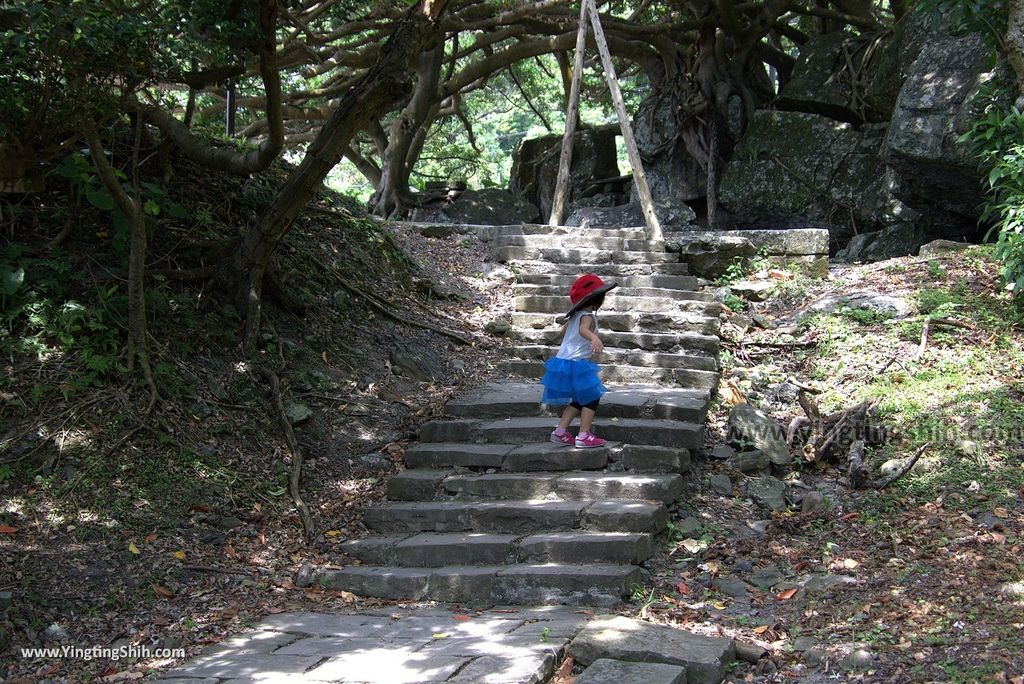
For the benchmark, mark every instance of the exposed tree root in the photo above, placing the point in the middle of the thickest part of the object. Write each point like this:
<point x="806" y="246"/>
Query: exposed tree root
<point x="271" y="378"/>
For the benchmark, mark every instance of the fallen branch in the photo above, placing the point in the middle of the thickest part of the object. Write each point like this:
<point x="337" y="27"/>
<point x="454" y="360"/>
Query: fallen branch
<point x="857" y="473"/>
<point x="799" y="344"/>
<point x="794" y="425"/>
<point x="379" y="306"/>
<point x="293" y="447"/>
<point x="882" y="484"/>
<point x="210" y="568"/>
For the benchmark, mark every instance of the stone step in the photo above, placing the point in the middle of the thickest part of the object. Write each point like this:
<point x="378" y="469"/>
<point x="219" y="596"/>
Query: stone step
<point x="668" y="322"/>
<point x="512" y="399"/>
<point x="489" y="233"/>
<point x="535" y="433"/>
<point x="561" y="283"/>
<point x="616" y="295"/>
<point x="603" y="269"/>
<point x="662" y="342"/>
<point x="423" y="484"/>
<point x="679" y="377"/>
<point x="520" y="584"/>
<point x="517" y="516"/>
<point x="583" y="255"/>
<point x="612" y="357"/>
<point x="539" y="456"/>
<point x="431" y="549"/>
<point x="625" y="304"/>
<point x="571" y="241"/>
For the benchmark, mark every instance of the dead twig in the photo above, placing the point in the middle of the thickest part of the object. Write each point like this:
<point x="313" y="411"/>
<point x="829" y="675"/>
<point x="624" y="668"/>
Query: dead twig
<point x="210" y="568"/>
<point x="882" y="484"/>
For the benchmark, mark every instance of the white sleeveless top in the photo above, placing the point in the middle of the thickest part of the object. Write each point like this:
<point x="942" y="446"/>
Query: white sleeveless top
<point x="575" y="346"/>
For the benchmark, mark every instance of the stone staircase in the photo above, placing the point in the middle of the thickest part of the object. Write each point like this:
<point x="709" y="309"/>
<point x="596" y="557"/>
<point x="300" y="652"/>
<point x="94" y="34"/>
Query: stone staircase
<point x="489" y="511"/>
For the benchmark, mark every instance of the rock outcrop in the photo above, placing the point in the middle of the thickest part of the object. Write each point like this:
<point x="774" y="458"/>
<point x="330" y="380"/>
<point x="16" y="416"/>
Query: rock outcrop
<point x="594" y="161"/>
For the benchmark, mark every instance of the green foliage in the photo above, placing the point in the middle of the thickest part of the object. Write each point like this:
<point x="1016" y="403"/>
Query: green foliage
<point x="997" y="138"/>
<point x="987" y="17"/>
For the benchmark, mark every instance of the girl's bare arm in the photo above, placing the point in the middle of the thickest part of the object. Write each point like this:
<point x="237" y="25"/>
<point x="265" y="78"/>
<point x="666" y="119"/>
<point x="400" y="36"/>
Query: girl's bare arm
<point x="587" y="332"/>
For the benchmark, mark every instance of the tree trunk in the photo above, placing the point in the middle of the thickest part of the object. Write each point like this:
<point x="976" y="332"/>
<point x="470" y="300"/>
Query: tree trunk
<point x="241" y="163"/>
<point x="1015" y="46"/>
<point x="405" y="141"/>
<point x="131" y="207"/>
<point x="381" y="88"/>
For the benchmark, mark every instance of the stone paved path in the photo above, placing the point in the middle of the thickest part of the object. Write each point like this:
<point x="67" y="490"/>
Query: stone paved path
<point x="489" y="512"/>
<point x="392" y="646"/>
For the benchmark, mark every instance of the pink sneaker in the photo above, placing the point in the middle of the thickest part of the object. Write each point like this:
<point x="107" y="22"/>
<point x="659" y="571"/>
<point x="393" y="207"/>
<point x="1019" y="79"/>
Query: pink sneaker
<point x="565" y="438"/>
<point x="588" y="440"/>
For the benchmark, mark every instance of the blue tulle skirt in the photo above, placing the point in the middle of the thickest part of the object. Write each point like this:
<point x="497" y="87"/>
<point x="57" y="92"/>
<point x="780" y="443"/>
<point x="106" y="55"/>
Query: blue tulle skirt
<point x="567" y="381"/>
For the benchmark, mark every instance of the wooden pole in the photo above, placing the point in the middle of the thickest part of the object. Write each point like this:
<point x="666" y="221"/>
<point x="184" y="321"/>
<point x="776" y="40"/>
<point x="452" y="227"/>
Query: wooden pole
<point x="571" y="115"/>
<point x="646" y="201"/>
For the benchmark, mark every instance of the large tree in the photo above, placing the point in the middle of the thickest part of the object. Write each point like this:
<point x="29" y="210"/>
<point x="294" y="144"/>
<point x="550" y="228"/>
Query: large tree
<point x="370" y="82"/>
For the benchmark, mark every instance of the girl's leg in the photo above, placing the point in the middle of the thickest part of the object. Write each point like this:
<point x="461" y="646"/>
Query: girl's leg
<point x="568" y="415"/>
<point x="587" y="419"/>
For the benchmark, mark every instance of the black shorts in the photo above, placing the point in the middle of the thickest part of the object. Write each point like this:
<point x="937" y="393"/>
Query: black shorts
<point x="592" y="405"/>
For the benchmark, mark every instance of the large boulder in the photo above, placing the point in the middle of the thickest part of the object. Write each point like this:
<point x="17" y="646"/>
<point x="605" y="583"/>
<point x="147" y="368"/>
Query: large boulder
<point x="822" y="82"/>
<point x="937" y="103"/>
<point x="672" y="216"/>
<point x="674" y="176"/>
<point x="489" y="207"/>
<point x="535" y="167"/>
<point x="794" y="169"/>
<point x="888" y="243"/>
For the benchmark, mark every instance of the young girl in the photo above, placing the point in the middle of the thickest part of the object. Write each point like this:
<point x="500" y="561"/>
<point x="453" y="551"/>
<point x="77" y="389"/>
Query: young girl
<point x="571" y="376"/>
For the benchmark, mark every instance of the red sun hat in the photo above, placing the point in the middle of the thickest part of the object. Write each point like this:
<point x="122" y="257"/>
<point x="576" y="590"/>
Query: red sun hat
<point x="586" y="289"/>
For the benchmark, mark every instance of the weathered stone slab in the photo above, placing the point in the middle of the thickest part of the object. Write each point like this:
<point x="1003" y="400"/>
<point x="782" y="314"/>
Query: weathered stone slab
<point x="420" y="484"/>
<point x="440" y="454"/>
<point x="380" y="582"/>
<point x="621" y="638"/>
<point x="586" y="547"/>
<point x="533" y="668"/>
<point x="415" y="516"/>
<point x="547" y="456"/>
<point x="455" y="430"/>
<point x="429" y="550"/>
<point x="523" y="517"/>
<point x="388" y="665"/>
<point x="323" y="624"/>
<point x="625" y="516"/>
<point x="607" y="671"/>
<point x="247" y="665"/>
<point x="658" y="487"/>
<point x="375" y="550"/>
<point x="750" y="426"/>
<point x="462" y="584"/>
<point x="600" y="585"/>
<point x="502" y="485"/>
<point x="654" y="459"/>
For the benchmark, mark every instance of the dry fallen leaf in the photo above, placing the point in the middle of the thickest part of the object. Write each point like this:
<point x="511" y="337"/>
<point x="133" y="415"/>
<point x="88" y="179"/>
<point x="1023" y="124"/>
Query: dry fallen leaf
<point x="760" y="629"/>
<point x="162" y="592"/>
<point x="133" y="548"/>
<point x="683" y="589"/>
<point x="151" y="537"/>
<point x="180" y="555"/>
<point x="229" y="551"/>
<point x="462" y="618"/>
<point x="440" y="635"/>
<point x="1000" y="512"/>
<point x="7" y="529"/>
<point x="332" y="533"/>
<point x="787" y="594"/>
<point x="849" y="563"/>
